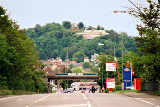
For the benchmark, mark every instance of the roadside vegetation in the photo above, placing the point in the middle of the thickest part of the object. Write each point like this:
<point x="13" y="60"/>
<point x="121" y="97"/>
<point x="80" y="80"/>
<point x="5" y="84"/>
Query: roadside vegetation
<point x="19" y="61"/>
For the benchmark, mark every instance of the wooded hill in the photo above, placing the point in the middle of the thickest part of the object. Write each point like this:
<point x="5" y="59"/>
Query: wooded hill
<point x="54" y="40"/>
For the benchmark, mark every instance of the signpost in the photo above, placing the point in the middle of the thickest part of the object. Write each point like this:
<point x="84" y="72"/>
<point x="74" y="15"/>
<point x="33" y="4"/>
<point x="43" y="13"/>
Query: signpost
<point x="111" y="66"/>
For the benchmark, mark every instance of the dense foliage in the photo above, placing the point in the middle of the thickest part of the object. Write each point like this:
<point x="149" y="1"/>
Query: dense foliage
<point x="18" y="58"/>
<point x="148" y="62"/>
<point x="53" y="40"/>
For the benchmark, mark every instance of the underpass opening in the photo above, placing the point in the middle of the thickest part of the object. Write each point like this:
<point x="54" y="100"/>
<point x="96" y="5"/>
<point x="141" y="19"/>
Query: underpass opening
<point x="64" y="81"/>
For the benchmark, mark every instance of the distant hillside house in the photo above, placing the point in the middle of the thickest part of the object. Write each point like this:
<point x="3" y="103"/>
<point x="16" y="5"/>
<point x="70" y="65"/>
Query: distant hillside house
<point x="86" y="59"/>
<point x="74" y="27"/>
<point x="91" y="34"/>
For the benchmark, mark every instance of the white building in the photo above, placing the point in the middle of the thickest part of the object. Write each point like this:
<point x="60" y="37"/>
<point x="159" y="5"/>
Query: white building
<point x="91" y="34"/>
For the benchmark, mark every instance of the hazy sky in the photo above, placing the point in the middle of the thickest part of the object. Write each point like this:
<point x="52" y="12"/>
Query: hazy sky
<point x="28" y="13"/>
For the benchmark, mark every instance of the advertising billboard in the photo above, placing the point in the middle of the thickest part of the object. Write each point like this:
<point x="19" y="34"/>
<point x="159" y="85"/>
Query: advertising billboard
<point x="111" y="66"/>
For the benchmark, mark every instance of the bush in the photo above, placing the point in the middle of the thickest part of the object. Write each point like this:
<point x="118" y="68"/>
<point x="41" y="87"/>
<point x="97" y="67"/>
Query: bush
<point x="6" y="92"/>
<point x="118" y="87"/>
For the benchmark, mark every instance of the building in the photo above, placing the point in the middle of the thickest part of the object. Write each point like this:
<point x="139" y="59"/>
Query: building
<point x="86" y="59"/>
<point x="91" y="34"/>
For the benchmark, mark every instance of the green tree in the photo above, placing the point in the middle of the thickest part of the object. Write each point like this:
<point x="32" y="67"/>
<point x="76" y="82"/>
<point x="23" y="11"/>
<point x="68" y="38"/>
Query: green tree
<point x="18" y="58"/>
<point x="149" y="42"/>
<point x="78" y="56"/>
<point x="80" y="25"/>
<point x="102" y="68"/>
<point x="86" y="65"/>
<point x="67" y="24"/>
<point x="76" y="70"/>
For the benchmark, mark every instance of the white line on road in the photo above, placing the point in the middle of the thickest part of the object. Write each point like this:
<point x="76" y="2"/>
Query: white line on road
<point x="84" y="97"/>
<point x="89" y="104"/>
<point x="43" y="98"/>
<point x="144" y="101"/>
<point x="71" y="105"/>
<point x="9" y="98"/>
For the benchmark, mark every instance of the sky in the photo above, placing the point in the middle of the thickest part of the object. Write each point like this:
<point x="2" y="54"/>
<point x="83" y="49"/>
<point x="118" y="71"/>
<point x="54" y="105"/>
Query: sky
<point x="28" y="13"/>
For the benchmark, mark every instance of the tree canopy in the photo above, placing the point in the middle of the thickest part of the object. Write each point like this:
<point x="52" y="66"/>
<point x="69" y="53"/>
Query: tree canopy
<point x="18" y="58"/>
<point x="149" y="41"/>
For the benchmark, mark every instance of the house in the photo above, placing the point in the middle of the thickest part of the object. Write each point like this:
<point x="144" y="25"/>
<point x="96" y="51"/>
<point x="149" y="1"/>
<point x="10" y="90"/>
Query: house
<point x="91" y="34"/>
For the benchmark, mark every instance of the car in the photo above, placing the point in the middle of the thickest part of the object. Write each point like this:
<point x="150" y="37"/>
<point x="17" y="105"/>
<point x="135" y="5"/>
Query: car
<point x="68" y="90"/>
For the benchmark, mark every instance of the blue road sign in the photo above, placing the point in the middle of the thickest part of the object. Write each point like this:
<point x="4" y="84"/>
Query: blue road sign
<point x="127" y="77"/>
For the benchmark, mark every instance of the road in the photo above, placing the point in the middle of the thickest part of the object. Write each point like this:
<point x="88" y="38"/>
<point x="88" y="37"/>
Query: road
<point x="76" y="100"/>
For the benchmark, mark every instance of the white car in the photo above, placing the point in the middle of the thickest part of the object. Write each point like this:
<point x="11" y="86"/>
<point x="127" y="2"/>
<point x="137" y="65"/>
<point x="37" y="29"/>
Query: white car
<point x="68" y="90"/>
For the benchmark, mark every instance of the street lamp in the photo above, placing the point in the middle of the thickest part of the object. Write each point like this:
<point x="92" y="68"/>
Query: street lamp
<point x="101" y="44"/>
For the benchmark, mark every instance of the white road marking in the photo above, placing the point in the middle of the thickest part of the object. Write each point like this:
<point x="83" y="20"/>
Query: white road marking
<point x="89" y="104"/>
<point x="144" y="101"/>
<point x="1" y="99"/>
<point x="71" y="105"/>
<point x="84" y="97"/>
<point x="43" y="98"/>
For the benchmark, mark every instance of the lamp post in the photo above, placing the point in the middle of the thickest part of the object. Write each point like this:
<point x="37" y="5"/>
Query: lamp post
<point x="101" y="44"/>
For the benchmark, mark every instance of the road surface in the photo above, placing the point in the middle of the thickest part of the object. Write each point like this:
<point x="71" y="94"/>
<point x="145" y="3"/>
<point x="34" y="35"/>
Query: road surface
<point x="77" y="100"/>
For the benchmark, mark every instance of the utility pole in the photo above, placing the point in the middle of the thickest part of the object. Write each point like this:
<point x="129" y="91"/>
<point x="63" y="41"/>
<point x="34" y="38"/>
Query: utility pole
<point x="122" y="62"/>
<point x="66" y="66"/>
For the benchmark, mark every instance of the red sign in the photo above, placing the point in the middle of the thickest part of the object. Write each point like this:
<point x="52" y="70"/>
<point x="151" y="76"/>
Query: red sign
<point x="110" y="82"/>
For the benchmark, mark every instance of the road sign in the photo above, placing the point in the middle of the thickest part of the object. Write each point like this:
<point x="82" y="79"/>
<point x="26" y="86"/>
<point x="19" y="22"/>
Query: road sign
<point x="111" y="66"/>
<point x="110" y="82"/>
<point x="127" y="77"/>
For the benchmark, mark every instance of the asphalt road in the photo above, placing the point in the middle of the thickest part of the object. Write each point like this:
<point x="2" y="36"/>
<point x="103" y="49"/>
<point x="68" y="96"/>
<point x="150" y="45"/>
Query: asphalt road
<point x="76" y="100"/>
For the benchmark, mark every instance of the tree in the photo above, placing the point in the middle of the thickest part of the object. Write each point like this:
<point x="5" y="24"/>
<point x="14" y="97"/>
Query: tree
<point x="18" y="58"/>
<point x="80" y="25"/>
<point x="102" y="68"/>
<point x="76" y="70"/>
<point x="66" y="24"/>
<point x="98" y="27"/>
<point x="148" y="42"/>
<point x="78" y="56"/>
<point x="86" y="65"/>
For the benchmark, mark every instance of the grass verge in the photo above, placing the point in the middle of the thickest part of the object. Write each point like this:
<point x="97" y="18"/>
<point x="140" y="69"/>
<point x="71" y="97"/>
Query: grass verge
<point x="15" y="92"/>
